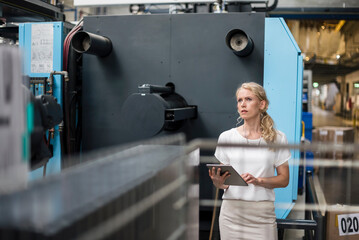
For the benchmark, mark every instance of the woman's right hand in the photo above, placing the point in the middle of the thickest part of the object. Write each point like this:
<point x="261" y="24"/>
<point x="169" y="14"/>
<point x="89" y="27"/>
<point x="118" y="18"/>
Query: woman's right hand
<point x="218" y="179"/>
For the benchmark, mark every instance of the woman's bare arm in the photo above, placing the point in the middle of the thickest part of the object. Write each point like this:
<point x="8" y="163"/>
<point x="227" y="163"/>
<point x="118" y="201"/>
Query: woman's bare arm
<point x="279" y="181"/>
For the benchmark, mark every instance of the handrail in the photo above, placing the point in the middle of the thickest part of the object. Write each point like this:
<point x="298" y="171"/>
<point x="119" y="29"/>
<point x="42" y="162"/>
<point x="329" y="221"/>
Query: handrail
<point x="311" y="197"/>
<point x="313" y="222"/>
<point x="296" y="224"/>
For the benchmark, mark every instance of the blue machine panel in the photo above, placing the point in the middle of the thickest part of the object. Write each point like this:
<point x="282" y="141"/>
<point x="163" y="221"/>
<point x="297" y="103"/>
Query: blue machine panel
<point x="42" y="46"/>
<point x="283" y="81"/>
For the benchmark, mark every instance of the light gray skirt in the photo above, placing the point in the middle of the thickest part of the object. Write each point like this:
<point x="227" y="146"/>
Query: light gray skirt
<point x="247" y="220"/>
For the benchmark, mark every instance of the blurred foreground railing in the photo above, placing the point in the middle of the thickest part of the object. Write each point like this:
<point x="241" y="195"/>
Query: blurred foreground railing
<point x="147" y="190"/>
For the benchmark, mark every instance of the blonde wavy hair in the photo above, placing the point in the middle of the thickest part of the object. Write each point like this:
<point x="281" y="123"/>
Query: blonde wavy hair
<point x="269" y="134"/>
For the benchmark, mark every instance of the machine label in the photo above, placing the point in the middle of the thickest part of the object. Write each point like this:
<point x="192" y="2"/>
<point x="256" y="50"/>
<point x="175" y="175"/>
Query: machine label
<point x="42" y="41"/>
<point x="348" y="224"/>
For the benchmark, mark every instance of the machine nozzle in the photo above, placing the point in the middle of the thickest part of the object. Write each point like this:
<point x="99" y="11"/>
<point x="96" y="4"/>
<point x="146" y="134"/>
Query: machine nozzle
<point x="239" y="42"/>
<point x="85" y="42"/>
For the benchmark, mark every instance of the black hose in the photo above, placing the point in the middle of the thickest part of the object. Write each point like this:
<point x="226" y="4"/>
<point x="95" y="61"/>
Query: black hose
<point x="66" y="106"/>
<point x="79" y="124"/>
<point x="71" y="94"/>
<point x="267" y="9"/>
<point x="78" y="134"/>
<point x="62" y="145"/>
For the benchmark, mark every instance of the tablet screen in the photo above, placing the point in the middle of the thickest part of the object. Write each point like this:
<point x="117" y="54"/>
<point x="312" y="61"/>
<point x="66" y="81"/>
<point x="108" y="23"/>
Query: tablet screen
<point x="234" y="179"/>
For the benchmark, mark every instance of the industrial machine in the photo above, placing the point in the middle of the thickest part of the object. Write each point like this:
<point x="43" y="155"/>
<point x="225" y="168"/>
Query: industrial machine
<point x="185" y="54"/>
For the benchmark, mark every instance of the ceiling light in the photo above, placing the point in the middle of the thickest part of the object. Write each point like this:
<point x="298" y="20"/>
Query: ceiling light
<point x="338" y="56"/>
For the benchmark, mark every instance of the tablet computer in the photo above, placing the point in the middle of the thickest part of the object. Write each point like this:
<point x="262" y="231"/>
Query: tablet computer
<point x="234" y="179"/>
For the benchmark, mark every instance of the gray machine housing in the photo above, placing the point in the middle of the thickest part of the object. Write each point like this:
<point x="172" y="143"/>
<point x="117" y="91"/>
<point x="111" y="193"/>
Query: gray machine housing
<point x="187" y="51"/>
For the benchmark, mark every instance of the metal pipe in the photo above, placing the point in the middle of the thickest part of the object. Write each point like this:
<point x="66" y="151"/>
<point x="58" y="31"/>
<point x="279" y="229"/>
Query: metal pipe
<point x="85" y="42"/>
<point x="297" y="224"/>
<point x="267" y="9"/>
<point x="64" y="73"/>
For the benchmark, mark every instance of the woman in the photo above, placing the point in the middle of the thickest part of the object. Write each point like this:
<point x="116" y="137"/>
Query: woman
<point x="247" y="212"/>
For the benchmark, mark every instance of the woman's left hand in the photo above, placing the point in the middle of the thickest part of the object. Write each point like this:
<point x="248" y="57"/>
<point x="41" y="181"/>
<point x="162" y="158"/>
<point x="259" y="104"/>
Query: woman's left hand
<point x="249" y="178"/>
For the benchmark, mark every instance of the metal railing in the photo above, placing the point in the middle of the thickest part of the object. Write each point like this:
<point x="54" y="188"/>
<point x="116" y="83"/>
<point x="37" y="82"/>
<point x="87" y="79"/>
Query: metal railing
<point x="313" y="224"/>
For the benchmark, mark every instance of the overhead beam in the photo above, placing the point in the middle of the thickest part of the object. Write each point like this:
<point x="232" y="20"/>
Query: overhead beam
<point x="316" y="13"/>
<point x="93" y="3"/>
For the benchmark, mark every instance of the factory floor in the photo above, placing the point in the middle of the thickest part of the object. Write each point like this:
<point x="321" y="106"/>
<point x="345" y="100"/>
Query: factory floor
<point x="343" y="182"/>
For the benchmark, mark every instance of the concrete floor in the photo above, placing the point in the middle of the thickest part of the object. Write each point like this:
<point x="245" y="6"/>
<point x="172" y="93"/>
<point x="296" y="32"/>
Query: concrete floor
<point x="322" y="118"/>
<point x="328" y="118"/>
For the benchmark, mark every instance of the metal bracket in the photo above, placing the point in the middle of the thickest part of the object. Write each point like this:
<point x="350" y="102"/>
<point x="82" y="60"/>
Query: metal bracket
<point x="177" y="114"/>
<point x="148" y="88"/>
